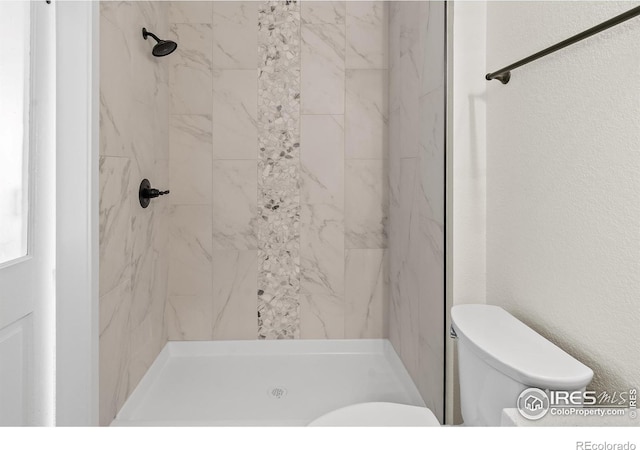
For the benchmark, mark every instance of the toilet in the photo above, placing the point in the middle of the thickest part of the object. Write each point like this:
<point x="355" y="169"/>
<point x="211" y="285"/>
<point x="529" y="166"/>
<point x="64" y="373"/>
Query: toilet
<point x="498" y="358"/>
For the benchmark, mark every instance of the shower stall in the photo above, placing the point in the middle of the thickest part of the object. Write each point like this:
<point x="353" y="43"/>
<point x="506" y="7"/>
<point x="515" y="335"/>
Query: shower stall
<point x="297" y="262"/>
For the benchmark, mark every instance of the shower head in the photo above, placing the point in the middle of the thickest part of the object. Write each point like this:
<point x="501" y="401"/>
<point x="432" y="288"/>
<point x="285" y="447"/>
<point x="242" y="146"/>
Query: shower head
<point x="162" y="47"/>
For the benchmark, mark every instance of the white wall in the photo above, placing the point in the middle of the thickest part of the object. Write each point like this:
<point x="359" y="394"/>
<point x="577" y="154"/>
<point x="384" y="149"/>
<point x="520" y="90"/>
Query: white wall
<point x="563" y="181"/>
<point x="466" y="233"/>
<point x="468" y="144"/>
<point x="76" y="201"/>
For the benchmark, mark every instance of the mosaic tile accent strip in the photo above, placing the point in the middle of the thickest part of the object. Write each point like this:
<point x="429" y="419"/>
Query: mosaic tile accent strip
<point x="278" y="170"/>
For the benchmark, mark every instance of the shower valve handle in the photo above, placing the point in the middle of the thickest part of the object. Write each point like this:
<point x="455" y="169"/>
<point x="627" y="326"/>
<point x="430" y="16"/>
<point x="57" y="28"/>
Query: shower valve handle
<point x="152" y="193"/>
<point x="146" y="193"/>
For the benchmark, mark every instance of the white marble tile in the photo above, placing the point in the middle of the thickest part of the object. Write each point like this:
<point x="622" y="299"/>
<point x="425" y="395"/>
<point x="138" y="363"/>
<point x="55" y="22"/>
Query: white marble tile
<point x="411" y="122"/>
<point x="235" y="300"/>
<point x="190" y="70"/>
<point x="149" y="252"/>
<point x="332" y="12"/>
<point x="433" y="46"/>
<point x="321" y="317"/>
<point x="429" y="260"/>
<point x="395" y="315"/>
<point x="322" y="69"/>
<point x="160" y="288"/>
<point x="399" y="227"/>
<point x="190" y="11"/>
<point x="149" y="77"/>
<point x="366" y="116"/>
<point x="432" y="329"/>
<point x="189" y="317"/>
<point x="149" y="142"/>
<point x="235" y="134"/>
<point x="143" y="352"/>
<point x="148" y="104"/>
<point x="395" y="32"/>
<point x="125" y="95"/>
<point x="235" y="189"/>
<point x="431" y="380"/>
<point x="428" y="208"/>
<point x="366" y="294"/>
<point x="113" y="130"/>
<point x="416" y="206"/>
<point x="394" y="158"/>
<point x="144" y="255"/>
<point x="407" y="264"/>
<point x="116" y="89"/>
<point x="115" y="222"/>
<point x="148" y="304"/>
<point x="191" y="160"/>
<point x="322" y="159"/>
<point x="235" y="35"/>
<point x="134" y="114"/>
<point x="412" y="21"/>
<point x="322" y="205"/>
<point x="366" y="203"/>
<point x="191" y="251"/>
<point x="397" y="231"/>
<point x="322" y="250"/>
<point x="432" y="152"/>
<point x="114" y="351"/>
<point x="367" y="34"/>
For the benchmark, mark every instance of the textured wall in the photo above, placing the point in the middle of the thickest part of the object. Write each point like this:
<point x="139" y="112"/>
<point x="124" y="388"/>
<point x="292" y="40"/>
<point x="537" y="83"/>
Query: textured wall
<point x="563" y="177"/>
<point x="277" y="170"/>
<point x="133" y="145"/>
<point x="416" y="210"/>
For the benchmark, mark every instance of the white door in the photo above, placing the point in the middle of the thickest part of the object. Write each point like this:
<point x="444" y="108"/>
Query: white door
<point x="27" y="209"/>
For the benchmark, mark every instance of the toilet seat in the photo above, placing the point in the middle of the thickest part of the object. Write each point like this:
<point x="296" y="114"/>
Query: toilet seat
<point x="378" y="414"/>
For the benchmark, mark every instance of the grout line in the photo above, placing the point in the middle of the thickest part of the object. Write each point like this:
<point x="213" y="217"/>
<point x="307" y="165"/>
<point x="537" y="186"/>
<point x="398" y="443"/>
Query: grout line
<point x="344" y="173"/>
<point x="213" y="162"/>
<point x="258" y="161"/>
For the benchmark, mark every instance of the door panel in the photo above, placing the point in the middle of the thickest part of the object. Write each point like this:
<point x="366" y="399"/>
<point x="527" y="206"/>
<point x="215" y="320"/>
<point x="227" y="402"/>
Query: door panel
<point x="26" y="246"/>
<point x="14" y="355"/>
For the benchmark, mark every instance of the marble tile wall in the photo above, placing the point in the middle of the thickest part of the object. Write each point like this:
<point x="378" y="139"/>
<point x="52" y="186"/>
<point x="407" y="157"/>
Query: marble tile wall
<point x="213" y="171"/>
<point x="278" y="149"/>
<point x="416" y="193"/>
<point x="269" y="125"/>
<point x="134" y="144"/>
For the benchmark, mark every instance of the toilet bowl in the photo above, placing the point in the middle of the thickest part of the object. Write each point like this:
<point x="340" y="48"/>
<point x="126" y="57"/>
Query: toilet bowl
<point x="498" y="358"/>
<point x="378" y="414"/>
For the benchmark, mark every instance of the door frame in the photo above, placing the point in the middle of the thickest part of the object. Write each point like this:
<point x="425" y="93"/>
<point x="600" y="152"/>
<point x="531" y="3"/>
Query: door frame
<point x="77" y="212"/>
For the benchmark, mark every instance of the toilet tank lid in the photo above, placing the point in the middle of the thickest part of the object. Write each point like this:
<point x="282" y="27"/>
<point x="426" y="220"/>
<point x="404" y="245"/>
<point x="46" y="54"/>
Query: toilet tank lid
<point x="516" y="350"/>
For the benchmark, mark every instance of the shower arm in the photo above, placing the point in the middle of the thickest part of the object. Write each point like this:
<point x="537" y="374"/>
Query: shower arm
<point x="146" y="33"/>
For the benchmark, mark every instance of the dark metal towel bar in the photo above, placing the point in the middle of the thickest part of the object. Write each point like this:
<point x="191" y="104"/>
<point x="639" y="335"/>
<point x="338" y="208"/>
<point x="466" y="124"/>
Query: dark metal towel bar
<point x="504" y="74"/>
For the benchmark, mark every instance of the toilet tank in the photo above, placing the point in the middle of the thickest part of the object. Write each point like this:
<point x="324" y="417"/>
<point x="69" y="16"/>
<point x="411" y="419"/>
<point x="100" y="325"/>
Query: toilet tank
<point x="499" y="357"/>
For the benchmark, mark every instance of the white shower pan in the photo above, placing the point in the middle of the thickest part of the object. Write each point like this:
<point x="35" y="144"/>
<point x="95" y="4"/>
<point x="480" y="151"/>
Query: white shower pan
<point x="265" y="383"/>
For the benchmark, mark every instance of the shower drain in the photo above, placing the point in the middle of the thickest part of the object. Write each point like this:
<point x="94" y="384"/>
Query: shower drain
<point x="277" y="392"/>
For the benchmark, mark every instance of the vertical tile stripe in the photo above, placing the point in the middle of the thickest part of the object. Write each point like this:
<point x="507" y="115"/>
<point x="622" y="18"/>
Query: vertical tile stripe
<point x="278" y="170"/>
